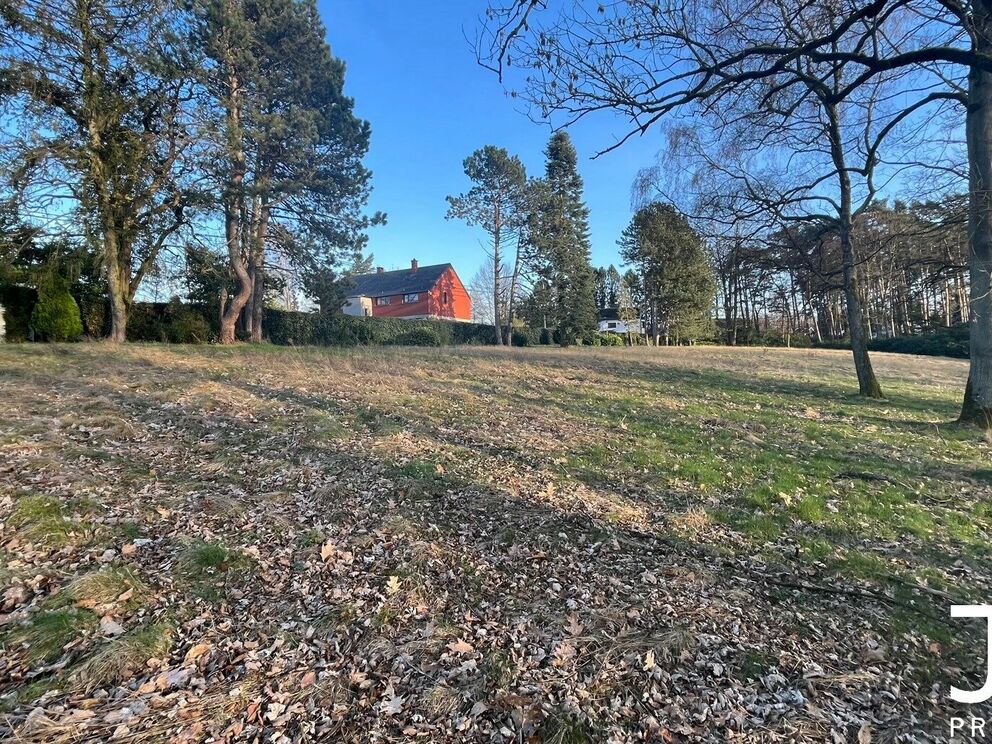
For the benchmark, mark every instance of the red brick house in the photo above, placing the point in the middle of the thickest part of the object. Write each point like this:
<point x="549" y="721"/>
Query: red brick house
<point x="417" y="292"/>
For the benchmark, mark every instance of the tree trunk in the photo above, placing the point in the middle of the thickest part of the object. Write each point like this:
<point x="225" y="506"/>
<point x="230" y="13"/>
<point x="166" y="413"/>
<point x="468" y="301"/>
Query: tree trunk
<point x="257" y="271"/>
<point x="867" y="383"/>
<point x="234" y="215"/>
<point x="497" y="269"/>
<point x="512" y="295"/>
<point x="118" y="287"/>
<point x="977" y="405"/>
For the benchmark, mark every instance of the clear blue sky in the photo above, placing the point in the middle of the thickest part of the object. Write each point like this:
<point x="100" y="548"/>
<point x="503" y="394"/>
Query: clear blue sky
<point x="413" y="75"/>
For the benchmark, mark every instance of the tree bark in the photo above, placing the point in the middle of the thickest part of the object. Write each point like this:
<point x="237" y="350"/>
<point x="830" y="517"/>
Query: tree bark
<point x="497" y="268"/>
<point x="867" y="382"/>
<point x="234" y="214"/>
<point x="977" y="405"/>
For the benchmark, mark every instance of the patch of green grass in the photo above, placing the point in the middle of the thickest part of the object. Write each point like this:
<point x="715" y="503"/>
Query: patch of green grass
<point x="310" y="538"/>
<point x="417" y="470"/>
<point x="129" y="530"/>
<point x="811" y="509"/>
<point x="863" y="565"/>
<point x="498" y="669"/>
<point x="48" y="632"/>
<point x="43" y="520"/>
<point x="209" y="566"/>
<point x="115" y="660"/>
<point x="760" y="528"/>
<point x="814" y="548"/>
<point x="756" y="664"/>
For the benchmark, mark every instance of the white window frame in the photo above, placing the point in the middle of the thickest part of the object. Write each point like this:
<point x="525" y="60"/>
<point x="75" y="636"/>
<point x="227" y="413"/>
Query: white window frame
<point x="411" y="297"/>
<point x="381" y="301"/>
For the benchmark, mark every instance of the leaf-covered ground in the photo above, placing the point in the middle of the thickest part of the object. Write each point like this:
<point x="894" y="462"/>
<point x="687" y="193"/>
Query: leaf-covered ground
<point x="206" y="544"/>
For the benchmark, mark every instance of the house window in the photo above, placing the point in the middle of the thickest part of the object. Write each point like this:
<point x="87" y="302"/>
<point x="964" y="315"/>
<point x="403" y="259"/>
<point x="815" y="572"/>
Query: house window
<point x="412" y="297"/>
<point x="381" y="300"/>
<point x="611" y="325"/>
<point x="444" y="298"/>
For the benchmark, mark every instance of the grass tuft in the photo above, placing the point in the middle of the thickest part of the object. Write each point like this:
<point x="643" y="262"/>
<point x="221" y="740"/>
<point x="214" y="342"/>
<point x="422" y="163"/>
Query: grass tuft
<point x="126" y="654"/>
<point x="46" y="633"/>
<point x="42" y="520"/>
<point x="561" y="728"/>
<point x="107" y="586"/>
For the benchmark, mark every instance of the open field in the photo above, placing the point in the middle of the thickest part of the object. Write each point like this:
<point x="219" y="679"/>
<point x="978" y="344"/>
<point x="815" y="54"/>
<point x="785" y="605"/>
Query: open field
<point x="690" y="544"/>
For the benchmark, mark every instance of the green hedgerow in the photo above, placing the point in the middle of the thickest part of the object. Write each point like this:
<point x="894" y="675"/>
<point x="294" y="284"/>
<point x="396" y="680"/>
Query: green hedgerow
<point x="56" y="315"/>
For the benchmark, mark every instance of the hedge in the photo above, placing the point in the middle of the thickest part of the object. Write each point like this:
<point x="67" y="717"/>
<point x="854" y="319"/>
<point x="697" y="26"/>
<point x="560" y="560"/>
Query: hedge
<point x="18" y="304"/>
<point x="311" y="329"/>
<point x="948" y="342"/>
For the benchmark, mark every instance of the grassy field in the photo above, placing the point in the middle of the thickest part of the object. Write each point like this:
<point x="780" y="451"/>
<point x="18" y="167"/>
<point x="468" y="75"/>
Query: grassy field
<point x="690" y="544"/>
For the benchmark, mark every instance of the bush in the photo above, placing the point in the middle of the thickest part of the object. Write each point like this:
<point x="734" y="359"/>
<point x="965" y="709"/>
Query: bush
<point x="608" y="339"/>
<point x="547" y="337"/>
<point x="18" y="302"/>
<point x="519" y="337"/>
<point x="418" y="337"/>
<point x="56" y="315"/>
<point x="950" y="342"/>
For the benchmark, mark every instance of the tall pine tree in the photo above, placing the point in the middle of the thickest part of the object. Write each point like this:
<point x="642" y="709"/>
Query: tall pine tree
<point x="559" y="242"/>
<point x="289" y="154"/>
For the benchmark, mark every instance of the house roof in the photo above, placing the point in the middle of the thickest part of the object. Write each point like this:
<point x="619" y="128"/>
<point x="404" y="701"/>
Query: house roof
<point x="403" y="281"/>
<point x="609" y="313"/>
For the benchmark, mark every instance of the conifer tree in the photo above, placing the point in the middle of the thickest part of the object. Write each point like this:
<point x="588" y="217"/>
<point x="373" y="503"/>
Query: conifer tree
<point x="676" y="277"/>
<point x="290" y="149"/>
<point x="98" y="93"/>
<point x="559" y="242"/>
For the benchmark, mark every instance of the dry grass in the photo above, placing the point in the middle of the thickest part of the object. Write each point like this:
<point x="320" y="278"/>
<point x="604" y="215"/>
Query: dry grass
<point x="567" y="512"/>
<point x="124" y="656"/>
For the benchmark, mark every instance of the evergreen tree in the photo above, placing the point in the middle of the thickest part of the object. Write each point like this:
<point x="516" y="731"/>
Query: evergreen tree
<point x="559" y="242"/>
<point x="497" y="202"/>
<point x="99" y="91"/>
<point x="289" y="154"/>
<point x="676" y="278"/>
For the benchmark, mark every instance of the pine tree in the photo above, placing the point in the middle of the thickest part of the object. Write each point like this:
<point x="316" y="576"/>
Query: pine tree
<point x="559" y="242"/>
<point x="290" y="152"/>
<point x="498" y="202"/>
<point x="676" y="277"/>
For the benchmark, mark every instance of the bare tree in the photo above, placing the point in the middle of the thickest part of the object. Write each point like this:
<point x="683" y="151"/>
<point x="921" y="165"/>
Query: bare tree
<point x="651" y="59"/>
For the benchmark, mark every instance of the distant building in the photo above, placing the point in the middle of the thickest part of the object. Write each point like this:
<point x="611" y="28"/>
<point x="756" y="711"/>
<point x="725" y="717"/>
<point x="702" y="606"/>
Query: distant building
<point x="417" y="292"/>
<point x="610" y="322"/>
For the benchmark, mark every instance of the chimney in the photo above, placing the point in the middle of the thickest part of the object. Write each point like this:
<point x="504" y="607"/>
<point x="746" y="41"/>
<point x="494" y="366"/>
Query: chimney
<point x="413" y="266"/>
<point x="379" y="270"/>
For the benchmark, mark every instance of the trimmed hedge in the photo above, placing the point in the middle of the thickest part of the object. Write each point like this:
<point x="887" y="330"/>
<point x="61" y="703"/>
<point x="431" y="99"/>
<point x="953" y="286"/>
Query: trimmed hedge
<point x="171" y="322"/>
<point x="311" y="329"/>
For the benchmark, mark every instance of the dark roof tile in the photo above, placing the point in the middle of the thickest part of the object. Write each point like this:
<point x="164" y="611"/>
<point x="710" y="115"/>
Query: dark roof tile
<point x="403" y="281"/>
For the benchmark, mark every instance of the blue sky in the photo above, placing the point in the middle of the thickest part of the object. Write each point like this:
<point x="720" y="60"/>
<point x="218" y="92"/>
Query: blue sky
<point x="413" y="75"/>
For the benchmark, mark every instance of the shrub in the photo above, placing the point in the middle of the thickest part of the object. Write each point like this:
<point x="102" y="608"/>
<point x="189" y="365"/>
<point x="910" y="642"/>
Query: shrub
<point x="18" y="302"/>
<point x="950" y="342"/>
<point x="56" y="315"/>
<point x="547" y="337"/>
<point x="187" y="326"/>
<point x="608" y="339"/>
<point x="520" y="337"/>
<point x="418" y="337"/>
